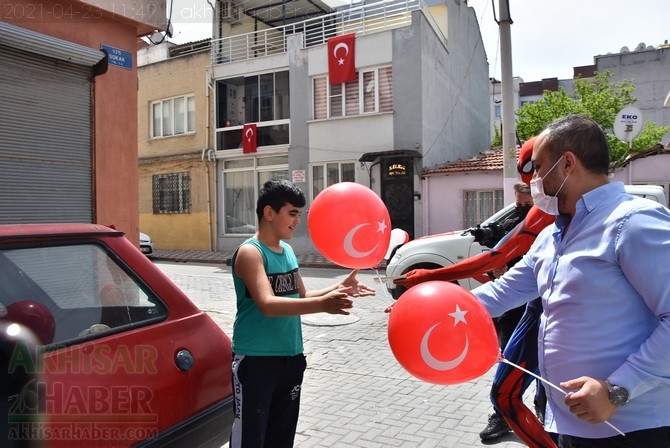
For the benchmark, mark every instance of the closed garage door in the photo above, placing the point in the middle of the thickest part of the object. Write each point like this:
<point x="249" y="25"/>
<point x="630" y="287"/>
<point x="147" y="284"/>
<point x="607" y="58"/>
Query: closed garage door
<point x="45" y="138"/>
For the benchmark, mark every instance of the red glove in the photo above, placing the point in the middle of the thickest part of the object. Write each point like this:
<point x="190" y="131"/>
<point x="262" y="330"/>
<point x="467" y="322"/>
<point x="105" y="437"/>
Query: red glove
<point x="417" y="276"/>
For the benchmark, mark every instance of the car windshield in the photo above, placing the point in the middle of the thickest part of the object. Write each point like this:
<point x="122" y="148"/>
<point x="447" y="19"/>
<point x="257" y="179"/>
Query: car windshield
<point x="79" y="290"/>
<point x="500" y="216"/>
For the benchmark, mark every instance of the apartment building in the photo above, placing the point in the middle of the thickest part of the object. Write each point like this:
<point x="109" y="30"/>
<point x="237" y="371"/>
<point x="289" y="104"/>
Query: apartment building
<point x="176" y="164"/>
<point x="420" y="84"/>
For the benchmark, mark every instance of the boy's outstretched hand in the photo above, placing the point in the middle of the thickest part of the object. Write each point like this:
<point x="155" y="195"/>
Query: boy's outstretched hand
<point x="356" y="288"/>
<point x="337" y="301"/>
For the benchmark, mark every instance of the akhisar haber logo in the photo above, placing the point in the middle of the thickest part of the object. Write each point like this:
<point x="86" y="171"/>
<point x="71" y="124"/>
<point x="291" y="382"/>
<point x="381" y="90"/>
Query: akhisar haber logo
<point x="58" y="402"/>
<point x="89" y="358"/>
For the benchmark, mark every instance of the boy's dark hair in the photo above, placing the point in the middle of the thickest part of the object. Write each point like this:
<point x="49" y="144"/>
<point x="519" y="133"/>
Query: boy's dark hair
<point x="276" y="193"/>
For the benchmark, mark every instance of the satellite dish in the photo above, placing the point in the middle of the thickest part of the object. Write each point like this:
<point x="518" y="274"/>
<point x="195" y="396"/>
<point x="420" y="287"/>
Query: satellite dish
<point x="628" y="124"/>
<point x="624" y="49"/>
<point x="641" y="46"/>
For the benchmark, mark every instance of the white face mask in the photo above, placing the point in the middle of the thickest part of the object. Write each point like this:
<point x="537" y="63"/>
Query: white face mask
<point x="548" y="204"/>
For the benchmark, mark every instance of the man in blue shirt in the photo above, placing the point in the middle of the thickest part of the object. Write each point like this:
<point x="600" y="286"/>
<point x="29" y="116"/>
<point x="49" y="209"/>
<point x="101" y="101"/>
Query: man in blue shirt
<point x="602" y="273"/>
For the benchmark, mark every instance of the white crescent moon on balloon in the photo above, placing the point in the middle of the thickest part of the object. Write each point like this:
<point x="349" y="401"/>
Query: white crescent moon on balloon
<point x="249" y="132"/>
<point x="435" y="363"/>
<point x="341" y="45"/>
<point x="349" y="246"/>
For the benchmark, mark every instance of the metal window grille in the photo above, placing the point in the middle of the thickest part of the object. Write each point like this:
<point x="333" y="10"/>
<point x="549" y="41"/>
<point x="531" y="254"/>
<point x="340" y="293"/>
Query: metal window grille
<point x="481" y="204"/>
<point x="172" y="193"/>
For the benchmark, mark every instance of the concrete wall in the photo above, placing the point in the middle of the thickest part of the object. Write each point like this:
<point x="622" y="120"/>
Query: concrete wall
<point x="455" y="90"/>
<point x="443" y="194"/>
<point x="183" y="75"/>
<point x="187" y="231"/>
<point x="650" y="72"/>
<point x="650" y="170"/>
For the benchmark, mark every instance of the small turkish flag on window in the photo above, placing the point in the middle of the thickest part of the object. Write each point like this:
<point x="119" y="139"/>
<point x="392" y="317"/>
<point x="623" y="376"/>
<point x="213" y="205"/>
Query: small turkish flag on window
<point x="249" y="138"/>
<point x="341" y="60"/>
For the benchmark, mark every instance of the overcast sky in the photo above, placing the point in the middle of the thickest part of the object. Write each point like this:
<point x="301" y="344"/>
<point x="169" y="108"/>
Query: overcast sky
<point x="549" y="38"/>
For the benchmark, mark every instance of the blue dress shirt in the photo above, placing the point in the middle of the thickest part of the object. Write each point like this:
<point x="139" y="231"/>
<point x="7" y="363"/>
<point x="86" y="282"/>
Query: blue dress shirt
<point x="604" y="280"/>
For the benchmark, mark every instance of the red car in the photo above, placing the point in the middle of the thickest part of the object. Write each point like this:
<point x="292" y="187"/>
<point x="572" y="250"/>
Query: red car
<point x="123" y="357"/>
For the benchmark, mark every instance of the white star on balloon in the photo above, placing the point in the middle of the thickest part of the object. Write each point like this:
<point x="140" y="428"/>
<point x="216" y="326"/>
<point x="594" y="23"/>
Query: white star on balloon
<point x="381" y="226"/>
<point x="459" y="316"/>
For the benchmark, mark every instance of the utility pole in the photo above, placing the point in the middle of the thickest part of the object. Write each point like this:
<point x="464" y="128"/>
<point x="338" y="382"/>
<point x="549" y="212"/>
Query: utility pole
<point x="510" y="174"/>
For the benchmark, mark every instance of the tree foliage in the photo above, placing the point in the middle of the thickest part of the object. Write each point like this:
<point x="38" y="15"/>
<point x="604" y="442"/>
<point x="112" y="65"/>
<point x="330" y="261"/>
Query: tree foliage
<point x="497" y="137"/>
<point x="601" y="100"/>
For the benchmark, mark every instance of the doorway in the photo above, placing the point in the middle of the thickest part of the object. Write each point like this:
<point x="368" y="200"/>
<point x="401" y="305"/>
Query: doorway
<point x="397" y="191"/>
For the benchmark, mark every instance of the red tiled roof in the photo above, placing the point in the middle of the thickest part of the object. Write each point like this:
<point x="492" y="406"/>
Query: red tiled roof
<point x="654" y="150"/>
<point x="490" y="160"/>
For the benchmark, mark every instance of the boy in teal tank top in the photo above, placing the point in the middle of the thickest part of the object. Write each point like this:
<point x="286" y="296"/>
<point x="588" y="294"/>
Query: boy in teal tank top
<point x="268" y="363"/>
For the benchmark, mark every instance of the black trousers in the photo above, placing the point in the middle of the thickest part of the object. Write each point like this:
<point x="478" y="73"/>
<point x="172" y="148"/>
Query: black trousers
<point x="646" y="438"/>
<point x="266" y="394"/>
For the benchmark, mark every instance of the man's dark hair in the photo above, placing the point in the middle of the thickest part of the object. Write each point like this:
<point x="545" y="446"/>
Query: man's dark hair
<point x="276" y="193"/>
<point x="583" y="137"/>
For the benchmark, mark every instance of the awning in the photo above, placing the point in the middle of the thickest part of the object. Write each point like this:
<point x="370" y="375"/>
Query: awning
<point x="278" y="13"/>
<point x="33" y="42"/>
<point x="372" y="156"/>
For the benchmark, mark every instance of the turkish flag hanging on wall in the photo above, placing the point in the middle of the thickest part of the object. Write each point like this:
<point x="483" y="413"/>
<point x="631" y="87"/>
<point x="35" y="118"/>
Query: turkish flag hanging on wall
<point x="341" y="60"/>
<point x="249" y="138"/>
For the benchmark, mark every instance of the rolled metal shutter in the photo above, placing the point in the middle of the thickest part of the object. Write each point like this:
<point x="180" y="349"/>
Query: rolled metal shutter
<point x="45" y="138"/>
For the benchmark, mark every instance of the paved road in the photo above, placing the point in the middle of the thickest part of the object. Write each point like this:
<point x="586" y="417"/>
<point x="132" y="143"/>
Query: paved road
<point x="355" y="394"/>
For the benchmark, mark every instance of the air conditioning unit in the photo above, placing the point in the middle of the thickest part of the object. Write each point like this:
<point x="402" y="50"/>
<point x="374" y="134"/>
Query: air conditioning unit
<point x="230" y="12"/>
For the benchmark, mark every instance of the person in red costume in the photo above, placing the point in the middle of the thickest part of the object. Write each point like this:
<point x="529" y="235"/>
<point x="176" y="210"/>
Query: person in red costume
<point x="509" y="383"/>
<point x="513" y="245"/>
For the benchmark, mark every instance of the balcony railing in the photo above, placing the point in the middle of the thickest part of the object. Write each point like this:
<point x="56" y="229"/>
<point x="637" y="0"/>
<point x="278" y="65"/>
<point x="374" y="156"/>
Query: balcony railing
<point x="365" y="19"/>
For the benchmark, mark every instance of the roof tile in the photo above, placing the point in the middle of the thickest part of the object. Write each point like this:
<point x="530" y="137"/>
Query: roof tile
<point x="490" y="160"/>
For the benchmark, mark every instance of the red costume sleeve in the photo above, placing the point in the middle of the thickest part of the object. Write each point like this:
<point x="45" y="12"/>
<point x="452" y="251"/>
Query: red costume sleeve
<point x="513" y="245"/>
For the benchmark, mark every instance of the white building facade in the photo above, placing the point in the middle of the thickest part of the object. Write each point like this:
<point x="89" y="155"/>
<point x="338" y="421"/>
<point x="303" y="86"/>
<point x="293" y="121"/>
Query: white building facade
<point x="417" y="101"/>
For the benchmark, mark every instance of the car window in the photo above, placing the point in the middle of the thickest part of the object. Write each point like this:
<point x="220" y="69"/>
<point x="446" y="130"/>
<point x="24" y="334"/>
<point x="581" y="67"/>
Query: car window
<point x="79" y="290"/>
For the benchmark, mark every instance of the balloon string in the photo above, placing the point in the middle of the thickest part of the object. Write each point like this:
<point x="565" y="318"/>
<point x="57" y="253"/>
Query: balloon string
<point x="379" y="279"/>
<point x="554" y="386"/>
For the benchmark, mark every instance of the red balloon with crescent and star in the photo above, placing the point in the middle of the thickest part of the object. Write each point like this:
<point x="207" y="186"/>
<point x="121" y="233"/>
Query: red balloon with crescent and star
<point x="350" y="225"/>
<point x="440" y="333"/>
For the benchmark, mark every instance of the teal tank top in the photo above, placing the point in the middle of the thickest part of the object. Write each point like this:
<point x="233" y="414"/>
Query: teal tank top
<point x="255" y="334"/>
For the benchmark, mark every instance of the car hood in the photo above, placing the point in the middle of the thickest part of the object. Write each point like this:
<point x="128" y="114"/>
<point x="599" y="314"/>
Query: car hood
<point x="441" y="235"/>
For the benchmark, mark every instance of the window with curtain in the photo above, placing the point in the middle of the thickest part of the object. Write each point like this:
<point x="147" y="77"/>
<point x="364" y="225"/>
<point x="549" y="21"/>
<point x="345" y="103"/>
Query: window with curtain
<point x="172" y="116"/>
<point x="335" y="94"/>
<point x="242" y="180"/>
<point x="371" y="92"/>
<point x="320" y="89"/>
<point x="329" y="173"/>
<point x="481" y="204"/>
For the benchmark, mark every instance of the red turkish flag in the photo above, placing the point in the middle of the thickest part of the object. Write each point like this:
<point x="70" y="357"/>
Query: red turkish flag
<point x="249" y="138"/>
<point x="341" y="60"/>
